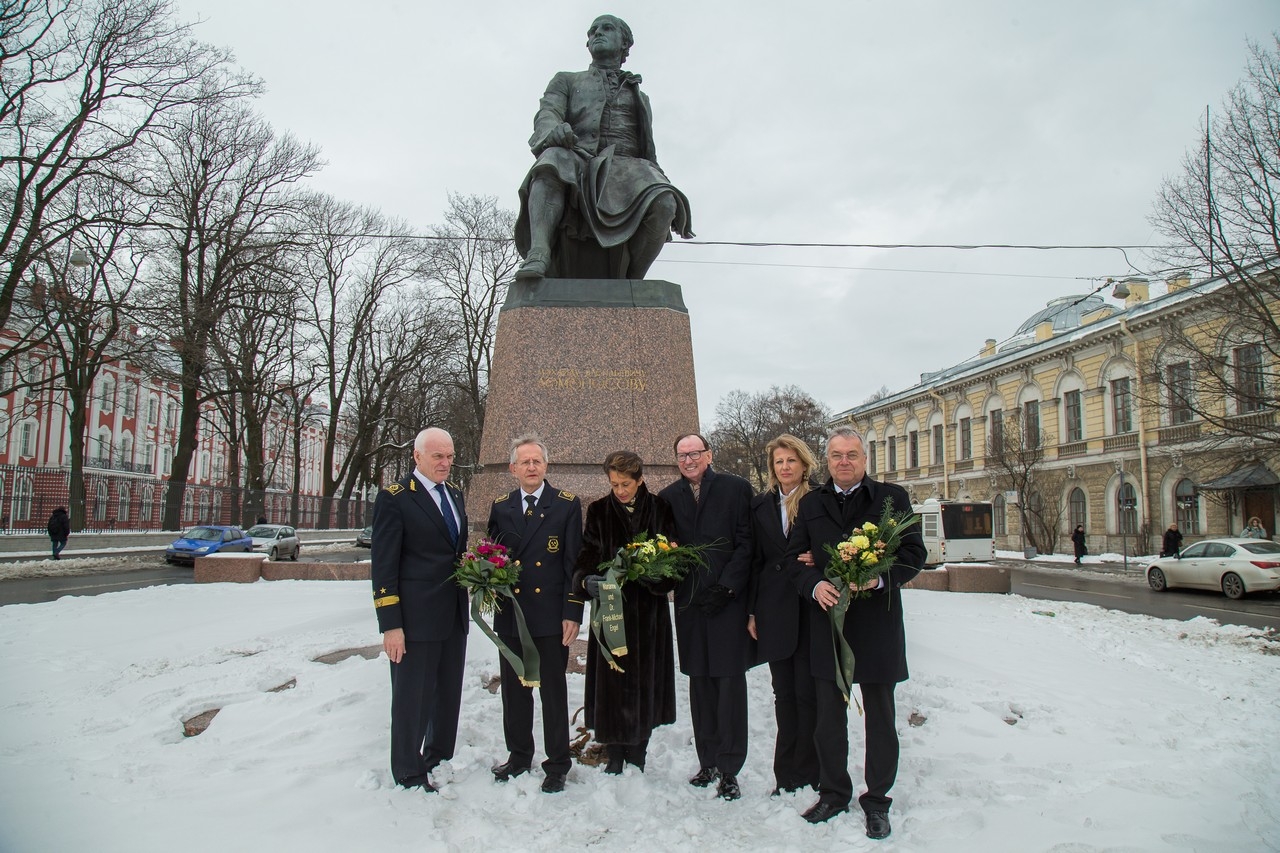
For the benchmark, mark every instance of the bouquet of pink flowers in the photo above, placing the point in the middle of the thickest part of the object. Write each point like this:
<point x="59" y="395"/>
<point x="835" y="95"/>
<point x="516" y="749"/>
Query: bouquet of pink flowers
<point x="488" y="574"/>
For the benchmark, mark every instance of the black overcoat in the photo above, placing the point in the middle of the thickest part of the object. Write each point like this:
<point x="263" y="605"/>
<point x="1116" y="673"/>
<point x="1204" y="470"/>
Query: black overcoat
<point x="624" y="707"/>
<point x="772" y="596"/>
<point x="547" y="545"/>
<point x="412" y="563"/>
<point x="874" y="627"/>
<point x="715" y="646"/>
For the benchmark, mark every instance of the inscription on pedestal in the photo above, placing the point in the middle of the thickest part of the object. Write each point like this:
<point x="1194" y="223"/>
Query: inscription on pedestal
<point x="590" y="379"/>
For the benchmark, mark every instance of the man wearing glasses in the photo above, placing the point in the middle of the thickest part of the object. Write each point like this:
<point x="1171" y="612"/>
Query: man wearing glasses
<point x="714" y="509"/>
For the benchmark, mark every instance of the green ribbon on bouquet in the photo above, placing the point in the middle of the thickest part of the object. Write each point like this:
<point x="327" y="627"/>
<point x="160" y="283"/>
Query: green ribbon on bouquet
<point x="608" y="624"/>
<point x="843" y="652"/>
<point x="529" y="668"/>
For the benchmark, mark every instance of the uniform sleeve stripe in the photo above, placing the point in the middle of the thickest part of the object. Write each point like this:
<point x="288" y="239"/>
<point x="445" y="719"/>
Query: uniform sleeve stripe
<point x="386" y="601"/>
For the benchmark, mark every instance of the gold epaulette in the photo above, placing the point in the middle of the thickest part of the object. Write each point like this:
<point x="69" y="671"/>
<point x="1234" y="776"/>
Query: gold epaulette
<point x="395" y="489"/>
<point x="568" y="496"/>
<point x="500" y="498"/>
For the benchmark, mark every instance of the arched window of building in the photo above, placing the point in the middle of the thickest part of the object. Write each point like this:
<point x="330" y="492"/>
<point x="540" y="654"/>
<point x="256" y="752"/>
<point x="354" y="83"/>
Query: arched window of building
<point x="23" y="490"/>
<point x="122" y="511"/>
<point x="999" y="516"/>
<point x="1077" y="508"/>
<point x="188" y="506"/>
<point x="1127" y="504"/>
<point x="107" y="394"/>
<point x="1187" y="507"/>
<point x="204" y="508"/>
<point x="217" y="507"/>
<point x="100" y="502"/>
<point x="148" y="500"/>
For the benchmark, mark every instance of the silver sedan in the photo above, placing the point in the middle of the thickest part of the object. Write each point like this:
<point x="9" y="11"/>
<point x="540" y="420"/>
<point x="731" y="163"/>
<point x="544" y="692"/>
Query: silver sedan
<point x="1235" y="566"/>
<point x="278" y="540"/>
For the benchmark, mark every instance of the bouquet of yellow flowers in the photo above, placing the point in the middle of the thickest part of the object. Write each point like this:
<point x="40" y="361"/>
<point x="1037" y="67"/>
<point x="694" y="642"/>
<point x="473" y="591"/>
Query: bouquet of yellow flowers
<point x="655" y="559"/>
<point x="854" y="562"/>
<point x="487" y="572"/>
<point x="641" y="559"/>
<point x="868" y="551"/>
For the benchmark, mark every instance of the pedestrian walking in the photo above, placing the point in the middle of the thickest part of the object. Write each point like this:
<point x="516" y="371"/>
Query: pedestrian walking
<point x="59" y="530"/>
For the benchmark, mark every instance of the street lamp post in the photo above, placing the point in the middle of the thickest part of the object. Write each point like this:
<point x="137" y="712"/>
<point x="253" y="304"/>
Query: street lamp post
<point x="1120" y="513"/>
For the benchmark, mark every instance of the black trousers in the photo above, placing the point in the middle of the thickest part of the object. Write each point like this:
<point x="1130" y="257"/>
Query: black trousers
<point x="426" y="692"/>
<point x="795" y="755"/>
<point x="832" y="737"/>
<point x="517" y="705"/>
<point x="718" y="706"/>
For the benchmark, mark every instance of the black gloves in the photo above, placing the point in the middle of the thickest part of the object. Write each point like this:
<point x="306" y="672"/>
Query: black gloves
<point x="592" y="585"/>
<point x="713" y="599"/>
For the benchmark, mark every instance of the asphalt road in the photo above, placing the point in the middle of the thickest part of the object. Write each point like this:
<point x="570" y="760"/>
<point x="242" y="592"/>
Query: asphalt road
<point x="1255" y="611"/>
<point x="1116" y="592"/>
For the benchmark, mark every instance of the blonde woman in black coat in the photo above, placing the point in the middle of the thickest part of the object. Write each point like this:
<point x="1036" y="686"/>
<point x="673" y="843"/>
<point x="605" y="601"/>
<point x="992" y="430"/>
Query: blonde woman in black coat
<point x="778" y="621"/>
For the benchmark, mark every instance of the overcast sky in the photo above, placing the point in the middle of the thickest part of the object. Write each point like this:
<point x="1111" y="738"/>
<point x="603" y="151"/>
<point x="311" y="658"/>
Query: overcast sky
<point x="832" y="122"/>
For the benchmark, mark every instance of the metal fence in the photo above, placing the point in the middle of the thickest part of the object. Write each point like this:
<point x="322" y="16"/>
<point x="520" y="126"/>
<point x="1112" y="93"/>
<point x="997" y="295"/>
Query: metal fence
<point x="118" y="502"/>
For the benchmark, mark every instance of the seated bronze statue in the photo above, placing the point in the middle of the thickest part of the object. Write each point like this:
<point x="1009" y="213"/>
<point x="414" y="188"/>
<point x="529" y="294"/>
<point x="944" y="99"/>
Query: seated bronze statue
<point x="596" y="204"/>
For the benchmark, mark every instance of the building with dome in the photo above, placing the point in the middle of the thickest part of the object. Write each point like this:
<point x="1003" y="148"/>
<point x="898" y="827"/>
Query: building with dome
<point x="1081" y="416"/>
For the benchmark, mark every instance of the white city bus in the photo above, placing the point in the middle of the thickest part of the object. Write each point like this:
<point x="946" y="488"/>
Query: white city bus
<point x="956" y="531"/>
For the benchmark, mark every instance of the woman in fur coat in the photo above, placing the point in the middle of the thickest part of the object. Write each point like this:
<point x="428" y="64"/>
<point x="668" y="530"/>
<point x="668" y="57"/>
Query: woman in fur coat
<point x="623" y="708"/>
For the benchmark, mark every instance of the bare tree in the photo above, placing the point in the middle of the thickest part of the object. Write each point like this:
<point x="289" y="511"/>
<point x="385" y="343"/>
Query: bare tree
<point x="472" y="258"/>
<point x="80" y="85"/>
<point x="746" y="423"/>
<point x="226" y="202"/>
<point x="251" y="341"/>
<point x="1016" y="456"/>
<point x="78" y="305"/>
<point x="357" y="265"/>
<point x="1221" y="214"/>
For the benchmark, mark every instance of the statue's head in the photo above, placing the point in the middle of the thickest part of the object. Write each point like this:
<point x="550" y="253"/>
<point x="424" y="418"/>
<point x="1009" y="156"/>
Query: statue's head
<point x="609" y="35"/>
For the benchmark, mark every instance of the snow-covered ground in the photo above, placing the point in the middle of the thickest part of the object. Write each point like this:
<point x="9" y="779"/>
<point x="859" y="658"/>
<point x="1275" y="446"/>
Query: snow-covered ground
<point x="1046" y="727"/>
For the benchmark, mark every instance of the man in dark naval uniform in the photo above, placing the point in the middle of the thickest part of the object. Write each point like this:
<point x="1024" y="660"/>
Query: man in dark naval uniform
<point x="541" y="526"/>
<point x="596" y="204"/>
<point x="419" y="531"/>
<point x="873" y="628"/>
<point x="714" y="509"/>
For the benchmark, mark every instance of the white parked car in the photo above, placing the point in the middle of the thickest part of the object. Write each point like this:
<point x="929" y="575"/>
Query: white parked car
<point x="278" y="540"/>
<point x="1235" y="566"/>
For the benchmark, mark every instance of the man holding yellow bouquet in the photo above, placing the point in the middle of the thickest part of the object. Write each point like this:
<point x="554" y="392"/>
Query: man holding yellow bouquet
<point x="873" y="628"/>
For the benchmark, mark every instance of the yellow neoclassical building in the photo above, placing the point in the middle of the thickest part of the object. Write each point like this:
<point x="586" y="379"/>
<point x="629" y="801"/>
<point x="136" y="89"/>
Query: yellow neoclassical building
<point x="1092" y="414"/>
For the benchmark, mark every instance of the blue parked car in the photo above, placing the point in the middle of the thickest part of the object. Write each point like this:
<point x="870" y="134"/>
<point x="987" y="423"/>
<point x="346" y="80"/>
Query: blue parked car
<point x="205" y="540"/>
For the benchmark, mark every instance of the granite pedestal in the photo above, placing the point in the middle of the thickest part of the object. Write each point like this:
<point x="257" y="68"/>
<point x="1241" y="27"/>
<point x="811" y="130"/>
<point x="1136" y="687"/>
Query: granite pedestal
<point x="592" y="366"/>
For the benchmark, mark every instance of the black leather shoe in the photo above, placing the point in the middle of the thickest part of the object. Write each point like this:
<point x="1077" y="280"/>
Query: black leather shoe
<point x="822" y="812"/>
<point x="614" y="767"/>
<point x="553" y="784"/>
<point x="728" y="788"/>
<point x="878" y="825"/>
<point x="704" y="777"/>
<point x="507" y="770"/>
<point x="419" y="782"/>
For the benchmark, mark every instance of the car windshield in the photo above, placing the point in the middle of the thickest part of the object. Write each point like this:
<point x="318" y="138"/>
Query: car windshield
<point x="1261" y="547"/>
<point x="204" y="534"/>
<point x="368" y="531"/>
<point x="263" y="531"/>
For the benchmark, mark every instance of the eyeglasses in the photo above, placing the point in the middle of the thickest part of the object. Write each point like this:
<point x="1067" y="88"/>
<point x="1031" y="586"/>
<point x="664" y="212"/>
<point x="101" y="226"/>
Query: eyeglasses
<point x="692" y="455"/>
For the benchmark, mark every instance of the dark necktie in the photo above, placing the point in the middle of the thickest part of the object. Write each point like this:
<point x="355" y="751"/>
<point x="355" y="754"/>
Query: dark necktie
<point x="445" y="510"/>
<point x="529" y="501"/>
